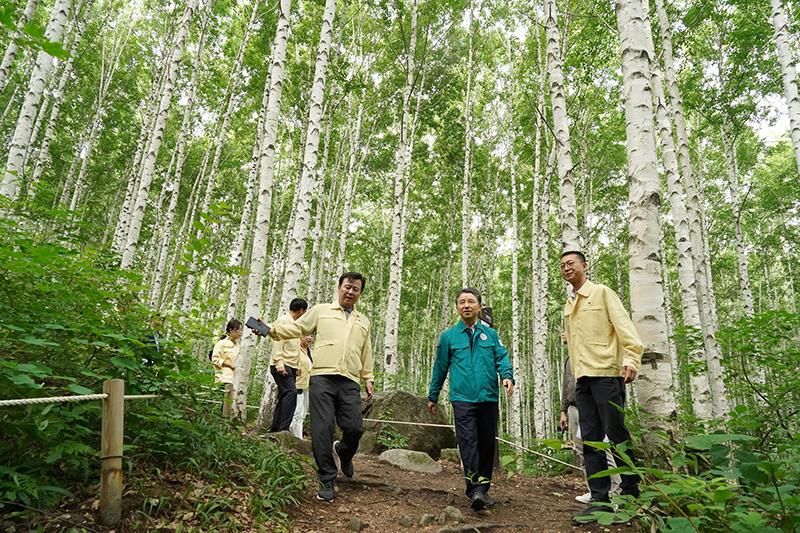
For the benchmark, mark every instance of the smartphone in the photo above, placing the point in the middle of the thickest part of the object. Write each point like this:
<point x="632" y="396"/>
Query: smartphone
<point x="260" y="327"/>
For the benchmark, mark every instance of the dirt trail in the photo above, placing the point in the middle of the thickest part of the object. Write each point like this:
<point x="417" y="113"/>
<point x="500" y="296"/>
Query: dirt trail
<point x="380" y="496"/>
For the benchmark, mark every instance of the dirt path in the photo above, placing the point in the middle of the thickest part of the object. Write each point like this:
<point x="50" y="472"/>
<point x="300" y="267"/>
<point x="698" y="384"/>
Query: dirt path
<point x="380" y="496"/>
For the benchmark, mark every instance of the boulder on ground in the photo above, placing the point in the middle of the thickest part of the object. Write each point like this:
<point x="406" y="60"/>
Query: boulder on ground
<point x="288" y="441"/>
<point x="410" y="460"/>
<point x="452" y="455"/>
<point x="405" y="407"/>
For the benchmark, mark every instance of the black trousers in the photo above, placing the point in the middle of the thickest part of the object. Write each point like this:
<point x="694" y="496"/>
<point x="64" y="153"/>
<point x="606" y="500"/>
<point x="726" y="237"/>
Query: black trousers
<point x="287" y="398"/>
<point x="334" y="400"/>
<point x="476" y="429"/>
<point x="597" y="400"/>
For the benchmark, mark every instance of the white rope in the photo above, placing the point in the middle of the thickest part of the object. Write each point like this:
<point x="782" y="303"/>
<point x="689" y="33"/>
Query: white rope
<point x="539" y="454"/>
<point x="56" y="399"/>
<point x="142" y="396"/>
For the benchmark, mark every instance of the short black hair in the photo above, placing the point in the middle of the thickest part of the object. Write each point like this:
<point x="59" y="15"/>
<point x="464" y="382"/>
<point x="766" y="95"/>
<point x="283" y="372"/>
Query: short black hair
<point x="232" y="325"/>
<point x="471" y="291"/>
<point x="354" y="276"/>
<point x="575" y="252"/>
<point x="298" y="304"/>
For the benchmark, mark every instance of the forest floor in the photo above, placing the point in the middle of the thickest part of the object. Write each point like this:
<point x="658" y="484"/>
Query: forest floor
<point x="380" y="498"/>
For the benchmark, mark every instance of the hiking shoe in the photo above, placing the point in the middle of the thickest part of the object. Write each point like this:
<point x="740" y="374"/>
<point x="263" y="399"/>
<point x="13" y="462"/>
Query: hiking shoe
<point x="328" y="491"/>
<point x="587" y="516"/>
<point x="347" y="467"/>
<point x="478" y="501"/>
<point x="489" y="500"/>
<point x="585" y="498"/>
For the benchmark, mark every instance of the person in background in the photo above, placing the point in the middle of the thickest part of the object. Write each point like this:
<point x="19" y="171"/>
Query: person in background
<point x="474" y="356"/>
<point x="570" y="419"/>
<point x="303" y="378"/>
<point x="284" y="367"/>
<point x="225" y="353"/>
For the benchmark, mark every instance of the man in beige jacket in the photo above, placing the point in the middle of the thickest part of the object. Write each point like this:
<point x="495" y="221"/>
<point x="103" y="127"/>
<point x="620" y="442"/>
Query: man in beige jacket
<point x="342" y="358"/>
<point x="605" y="353"/>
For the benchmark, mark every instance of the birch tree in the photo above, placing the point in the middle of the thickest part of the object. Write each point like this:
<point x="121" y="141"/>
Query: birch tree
<point x="149" y="159"/>
<point x="398" y="212"/>
<point x="244" y="364"/>
<point x="654" y="385"/>
<point x="788" y="73"/>
<point x="466" y="209"/>
<point x="22" y="132"/>
<point x="11" y="49"/>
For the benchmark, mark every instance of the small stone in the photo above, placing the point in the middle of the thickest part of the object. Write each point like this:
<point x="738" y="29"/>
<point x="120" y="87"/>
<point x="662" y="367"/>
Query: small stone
<point x="405" y="521"/>
<point x="355" y="525"/>
<point x="426" y="520"/>
<point x="454" y="514"/>
<point x="442" y="520"/>
<point x="344" y="509"/>
<point x="397" y="491"/>
<point x="451" y="455"/>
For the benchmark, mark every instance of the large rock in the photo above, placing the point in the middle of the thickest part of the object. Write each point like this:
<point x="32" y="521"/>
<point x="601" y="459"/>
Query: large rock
<point x="405" y="407"/>
<point x="410" y="460"/>
<point x="287" y="440"/>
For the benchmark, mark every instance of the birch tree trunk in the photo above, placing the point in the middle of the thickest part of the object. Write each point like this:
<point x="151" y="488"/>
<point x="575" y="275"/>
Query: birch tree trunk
<point x="156" y="295"/>
<point x="693" y="209"/>
<point x="398" y="212"/>
<point x="14" y="170"/>
<point x="149" y="159"/>
<point x="11" y="49"/>
<point x="570" y="238"/>
<point x="654" y="385"/>
<point x="701" y="391"/>
<point x="466" y="209"/>
<point x="244" y="364"/>
<point x="305" y="190"/>
<point x="788" y="73"/>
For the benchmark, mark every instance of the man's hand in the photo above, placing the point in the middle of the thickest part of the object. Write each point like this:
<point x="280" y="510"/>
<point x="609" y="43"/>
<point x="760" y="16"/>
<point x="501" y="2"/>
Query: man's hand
<point x="564" y="337"/>
<point x="281" y="370"/>
<point x="509" y="385"/>
<point x="370" y="389"/>
<point x="433" y="407"/>
<point x="299" y="372"/>
<point x="629" y="373"/>
<point x="564" y="422"/>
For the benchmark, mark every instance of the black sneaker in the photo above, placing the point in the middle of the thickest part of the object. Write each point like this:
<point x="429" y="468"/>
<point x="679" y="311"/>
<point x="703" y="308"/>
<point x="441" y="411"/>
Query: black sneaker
<point x="478" y="501"/>
<point x="328" y="491"/>
<point x="587" y="516"/>
<point x="347" y="467"/>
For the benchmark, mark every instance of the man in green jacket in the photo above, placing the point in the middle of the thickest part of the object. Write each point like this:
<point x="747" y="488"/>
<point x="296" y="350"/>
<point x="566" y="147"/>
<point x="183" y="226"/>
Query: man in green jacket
<point x="474" y="356"/>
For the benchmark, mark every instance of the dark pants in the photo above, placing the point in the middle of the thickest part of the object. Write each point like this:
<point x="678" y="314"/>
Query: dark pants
<point x="334" y="400"/>
<point x="598" y="418"/>
<point x="287" y="398"/>
<point x="476" y="429"/>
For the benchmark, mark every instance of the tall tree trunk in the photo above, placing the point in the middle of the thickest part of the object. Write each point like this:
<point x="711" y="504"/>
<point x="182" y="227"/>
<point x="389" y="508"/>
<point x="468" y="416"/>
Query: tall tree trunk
<point x="693" y="208"/>
<point x="466" y="208"/>
<point x="241" y="376"/>
<point x="149" y="159"/>
<point x="570" y="238"/>
<point x="654" y="385"/>
<point x="398" y="213"/>
<point x="701" y="391"/>
<point x="11" y="49"/>
<point x="788" y="73"/>
<point x="13" y="175"/>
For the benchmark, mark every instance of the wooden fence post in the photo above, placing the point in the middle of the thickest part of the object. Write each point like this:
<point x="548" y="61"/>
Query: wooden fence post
<point x="111" y="452"/>
<point x="227" y="399"/>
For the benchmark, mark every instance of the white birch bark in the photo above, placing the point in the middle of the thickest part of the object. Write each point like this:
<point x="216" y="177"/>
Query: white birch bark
<point x="654" y="389"/>
<point x="149" y="159"/>
<point x="788" y="73"/>
<point x="570" y="238"/>
<point x="398" y="212"/>
<point x="466" y="209"/>
<point x="241" y="376"/>
<point x="11" y="49"/>
<point x="13" y="174"/>
<point x="156" y="295"/>
<point x="701" y="389"/>
<point x="693" y="210"/>
<point x="305" y="189"/>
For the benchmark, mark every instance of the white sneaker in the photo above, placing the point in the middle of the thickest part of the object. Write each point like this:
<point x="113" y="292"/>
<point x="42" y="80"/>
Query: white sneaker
<point x="585" y="498"/>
